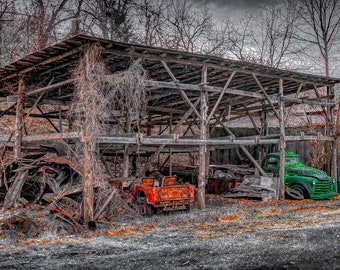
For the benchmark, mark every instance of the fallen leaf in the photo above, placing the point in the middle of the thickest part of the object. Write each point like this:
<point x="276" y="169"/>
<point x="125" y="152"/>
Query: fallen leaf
<point x="29" y="242"/>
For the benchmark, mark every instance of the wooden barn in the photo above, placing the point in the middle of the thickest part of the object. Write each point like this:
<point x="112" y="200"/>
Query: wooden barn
<point x="187" y="97"/>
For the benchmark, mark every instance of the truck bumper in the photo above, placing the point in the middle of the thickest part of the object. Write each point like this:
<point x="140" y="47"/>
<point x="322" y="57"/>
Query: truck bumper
<point x="327" y="195"/>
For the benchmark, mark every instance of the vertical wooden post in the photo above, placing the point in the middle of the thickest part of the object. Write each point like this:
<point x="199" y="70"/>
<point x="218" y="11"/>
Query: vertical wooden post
<point x="19" y="119"/>
<point x="88" y="184"/>
<point x="126" y="158"/>
<point x="170" y="150"/>
<point x="334" y="124"/>
<point x="281" y="186"/>
<point x="203" y="145"/>
<point x="60" y="116"/>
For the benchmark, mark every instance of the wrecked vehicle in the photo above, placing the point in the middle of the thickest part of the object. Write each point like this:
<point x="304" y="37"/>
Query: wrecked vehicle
<point x="254" y="187"/>
<point x="310" y="182"/>
<point x="152" y="195"/>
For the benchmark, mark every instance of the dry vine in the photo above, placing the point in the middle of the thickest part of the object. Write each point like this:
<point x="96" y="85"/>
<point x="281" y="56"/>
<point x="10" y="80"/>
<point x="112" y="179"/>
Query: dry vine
<point x="99" y="97"/>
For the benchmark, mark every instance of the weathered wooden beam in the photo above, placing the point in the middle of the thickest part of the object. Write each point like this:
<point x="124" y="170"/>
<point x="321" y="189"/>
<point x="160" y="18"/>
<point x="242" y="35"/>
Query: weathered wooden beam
<point x="295" y="96"/>
<point x="45" y="62"/>
<point x="48" y="119"/>
<point x="245" y="151"/>
<point x="282" y="145"/>
<point x="50" y="87"/>
<point x="306" y="101"/>
<point x="266" y="95"/>
<point x="165" y="110"/>
<point x="192" y="87"/>
<point x="19" y="121"/>
<point x="88" y="181"/>
<point x="175" y="130"/>
<point x="50" y="136"/>
<point x="187" y="100"/>
<point x="169" y="71"/>
<point x="184" y="96"/>
<point x="168" y="140"/>
<point x="2" y="113"/>
<point x="203" y="146"/>
<point x="14" y="191"/>
<point x="157" y="56"/>
<point x="326" y="113"/>
<point x="225" y="88"/>
<point x="252" y="120"/>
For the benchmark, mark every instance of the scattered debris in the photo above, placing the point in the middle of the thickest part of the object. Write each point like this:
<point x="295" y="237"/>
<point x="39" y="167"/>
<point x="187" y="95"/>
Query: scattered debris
<point x="254" y="187"/>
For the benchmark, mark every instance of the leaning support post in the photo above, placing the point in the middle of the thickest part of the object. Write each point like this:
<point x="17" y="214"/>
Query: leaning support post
<point x="19" y="120"/>
<point x="282" y="146"/>
<point x="203" y="146"/>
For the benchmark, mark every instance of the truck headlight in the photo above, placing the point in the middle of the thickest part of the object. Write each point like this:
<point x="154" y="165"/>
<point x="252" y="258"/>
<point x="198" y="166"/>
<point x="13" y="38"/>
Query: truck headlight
<point x="313" y="182"/>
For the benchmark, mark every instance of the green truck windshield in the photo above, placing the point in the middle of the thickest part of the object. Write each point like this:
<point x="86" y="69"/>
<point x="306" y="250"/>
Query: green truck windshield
<point x="293" y="160"/>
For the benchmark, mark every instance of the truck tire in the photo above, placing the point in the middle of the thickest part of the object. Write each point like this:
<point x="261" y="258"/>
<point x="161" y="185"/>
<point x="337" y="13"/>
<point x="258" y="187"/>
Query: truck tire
<point x="293" y="194"/>
<point x="301" y="190"/>
<point x="144" y="208"/>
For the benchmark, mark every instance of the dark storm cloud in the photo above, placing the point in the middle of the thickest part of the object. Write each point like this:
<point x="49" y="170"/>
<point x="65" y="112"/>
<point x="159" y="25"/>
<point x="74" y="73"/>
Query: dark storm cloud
<point x="235" y="3"/>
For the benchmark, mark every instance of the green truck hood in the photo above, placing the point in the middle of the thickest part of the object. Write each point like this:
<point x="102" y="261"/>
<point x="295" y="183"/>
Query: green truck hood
<point x="303" y="170"/>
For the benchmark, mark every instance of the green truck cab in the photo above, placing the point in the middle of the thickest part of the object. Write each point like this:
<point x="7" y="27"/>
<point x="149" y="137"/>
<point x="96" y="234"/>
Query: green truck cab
<point x="312" y="183"/>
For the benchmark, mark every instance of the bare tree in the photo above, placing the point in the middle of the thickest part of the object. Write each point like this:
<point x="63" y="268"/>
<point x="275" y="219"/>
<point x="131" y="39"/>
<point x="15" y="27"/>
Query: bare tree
<point x="108" y="18"/>
<point x="42" y="19"/>
<point x="321" y="26"/>
<point x="150" y="21"/>
<point x="187" y="28"/>
<point x="4" y="7"/>
<point x="264" y="36"/>
<point x="239" y="35"/>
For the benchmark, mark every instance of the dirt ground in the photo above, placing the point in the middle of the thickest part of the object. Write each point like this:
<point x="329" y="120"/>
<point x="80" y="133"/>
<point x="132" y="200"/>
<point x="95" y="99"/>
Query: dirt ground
<point x="230" y="234"/>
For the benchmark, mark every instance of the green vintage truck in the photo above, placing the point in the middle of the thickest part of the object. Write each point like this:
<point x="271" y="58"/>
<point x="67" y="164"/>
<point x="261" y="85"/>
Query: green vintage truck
<point x="310" y="182"/>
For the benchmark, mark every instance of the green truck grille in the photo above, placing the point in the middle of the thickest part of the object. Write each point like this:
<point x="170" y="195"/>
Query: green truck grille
<point x="323" y="186"/>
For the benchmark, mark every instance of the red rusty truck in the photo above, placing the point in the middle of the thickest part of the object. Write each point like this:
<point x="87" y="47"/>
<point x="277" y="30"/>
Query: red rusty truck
<point x="151" y="195"/>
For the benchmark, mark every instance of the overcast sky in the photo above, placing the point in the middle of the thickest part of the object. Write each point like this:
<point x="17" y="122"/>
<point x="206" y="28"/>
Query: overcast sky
<point x="234" y="8"/>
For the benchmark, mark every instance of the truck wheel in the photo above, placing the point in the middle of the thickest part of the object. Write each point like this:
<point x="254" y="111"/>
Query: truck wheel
<point x="144" y="208"/>
<point x="293" y="194"/>
<point x="301" y="190"/>
<point x="187" y="207"/>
